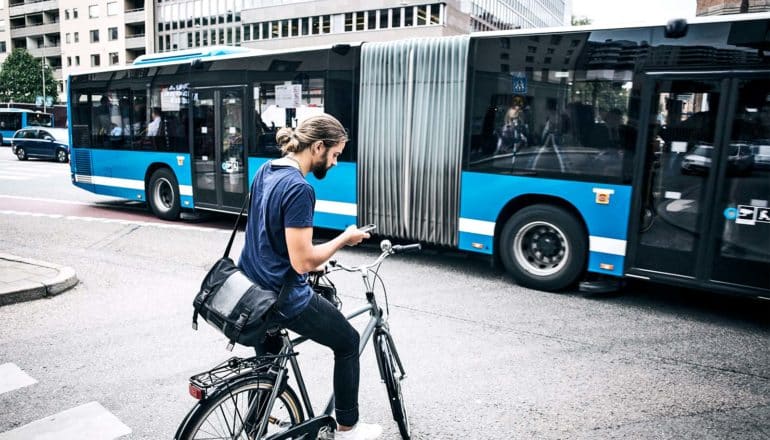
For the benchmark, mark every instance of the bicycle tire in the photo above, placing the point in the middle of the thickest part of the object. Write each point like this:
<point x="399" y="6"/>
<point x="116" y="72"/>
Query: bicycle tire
<point x="388" y="372"/>
<point x="227" y="406"/>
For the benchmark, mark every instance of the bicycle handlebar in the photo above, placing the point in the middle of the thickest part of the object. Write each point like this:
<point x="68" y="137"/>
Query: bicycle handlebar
<point x="387" y="250"/>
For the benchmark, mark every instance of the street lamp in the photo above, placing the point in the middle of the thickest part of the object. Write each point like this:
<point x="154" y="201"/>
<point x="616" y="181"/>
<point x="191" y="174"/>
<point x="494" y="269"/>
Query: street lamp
<point x="42" y="68"/>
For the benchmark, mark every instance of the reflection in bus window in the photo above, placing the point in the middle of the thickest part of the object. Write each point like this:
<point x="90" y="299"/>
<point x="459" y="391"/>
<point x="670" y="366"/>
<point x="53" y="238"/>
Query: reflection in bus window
<point x="576" y="121"/>
<point x="281" y="104"/>
<point x="748" y="179"/>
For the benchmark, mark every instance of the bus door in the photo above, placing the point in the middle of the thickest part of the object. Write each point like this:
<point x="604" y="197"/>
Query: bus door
<point x="219" y="172"/>
<point x="699" y="179"/>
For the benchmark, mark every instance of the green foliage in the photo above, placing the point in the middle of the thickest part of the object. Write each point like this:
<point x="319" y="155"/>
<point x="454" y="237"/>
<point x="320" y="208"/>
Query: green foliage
<point x="580" y="21"/>
<point x="20" y="78"/>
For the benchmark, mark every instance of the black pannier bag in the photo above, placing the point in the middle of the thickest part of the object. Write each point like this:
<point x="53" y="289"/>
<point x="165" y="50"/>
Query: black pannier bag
<point x="232" y="303"/>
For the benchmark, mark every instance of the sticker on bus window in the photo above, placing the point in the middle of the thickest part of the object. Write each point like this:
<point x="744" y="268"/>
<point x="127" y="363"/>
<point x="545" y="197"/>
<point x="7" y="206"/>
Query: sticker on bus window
<point x="673" y="195"/>
<point x="747" y="215"/>
<point x="763" y="215"/>
<point x="204" y="130"/>
<point x="678" y="147"/>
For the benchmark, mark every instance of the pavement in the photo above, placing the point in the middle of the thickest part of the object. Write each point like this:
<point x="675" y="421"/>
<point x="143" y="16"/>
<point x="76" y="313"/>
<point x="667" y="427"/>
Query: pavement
<point x="25" y="279"/>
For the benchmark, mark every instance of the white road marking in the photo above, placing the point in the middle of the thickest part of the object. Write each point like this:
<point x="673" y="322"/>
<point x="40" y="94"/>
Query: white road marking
<point x="90" y="421"/>
<point x="41" y="199"/>
<point x="115" y="220"/>
<point x="12" y="378"/>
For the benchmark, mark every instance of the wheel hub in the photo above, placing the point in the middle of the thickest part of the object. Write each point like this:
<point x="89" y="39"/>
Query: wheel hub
<point x="541" y="248"/>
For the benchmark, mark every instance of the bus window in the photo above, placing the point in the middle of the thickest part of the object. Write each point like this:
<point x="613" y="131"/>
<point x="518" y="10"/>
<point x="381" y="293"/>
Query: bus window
<point x="10" y="121"/>
<point x="166" y="129"/>
<point x="39" y="119"/>
<point x="279" y="104"/>
<point x="743" y="240"/>
<point x="554" y="116"/>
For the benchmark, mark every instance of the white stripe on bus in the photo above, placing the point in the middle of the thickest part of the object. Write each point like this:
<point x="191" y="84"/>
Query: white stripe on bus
<point x="607" y="245"/>
<point x="480" y="227"/>
<point x="185" y="190"/>
<point x="329" y="207"/>
<point x="596" y="244"/>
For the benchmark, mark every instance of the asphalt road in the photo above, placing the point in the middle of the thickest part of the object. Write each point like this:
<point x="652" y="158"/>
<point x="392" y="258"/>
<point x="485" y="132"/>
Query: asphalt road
<point x="486" y="358"/>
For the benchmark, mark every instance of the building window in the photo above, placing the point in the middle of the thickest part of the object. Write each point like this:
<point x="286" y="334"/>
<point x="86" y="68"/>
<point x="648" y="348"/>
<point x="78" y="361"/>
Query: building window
<point x="112" y="33"/>
<point x="95" y="60"/>
<point x="66" y="14"/>
<point x="112" y="8"/>
<point x="74" y="12"/>
<point x="2" y="47"/>
<point x="384" y="19"/>
<point x="67" y="38"/>
<point x="396" y="18"/>
<point x="93" y="11"/>
<point x="95" y="35"/>
<point x="69" y="61"/>
<point x="531" y="49"/>
<point x="77" y="37"/>
<point x="77" y="60"/>
<point x="114" y="58"/>
<point x="246" y="33"/>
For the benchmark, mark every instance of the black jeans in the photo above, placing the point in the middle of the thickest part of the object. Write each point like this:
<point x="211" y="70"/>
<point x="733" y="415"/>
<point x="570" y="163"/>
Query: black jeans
<point x="324" y="324"/>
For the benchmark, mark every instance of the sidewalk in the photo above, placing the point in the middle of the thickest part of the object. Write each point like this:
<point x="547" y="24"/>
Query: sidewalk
<point x="24" y="279"/>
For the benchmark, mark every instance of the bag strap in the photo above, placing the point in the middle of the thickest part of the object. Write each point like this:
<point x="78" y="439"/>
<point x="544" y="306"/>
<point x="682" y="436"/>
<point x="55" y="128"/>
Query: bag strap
<point x="239" y="327"/>
<point x="246" y="202"/>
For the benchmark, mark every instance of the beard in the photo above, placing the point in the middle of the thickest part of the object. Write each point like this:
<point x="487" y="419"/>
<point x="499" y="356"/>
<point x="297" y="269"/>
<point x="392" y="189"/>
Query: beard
<point x="319" y="168"/>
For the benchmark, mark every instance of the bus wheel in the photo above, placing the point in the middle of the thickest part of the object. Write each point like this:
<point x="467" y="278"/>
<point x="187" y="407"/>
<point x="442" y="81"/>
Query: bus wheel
<point x="543" y="247"/>
<point x="164" y="195"/>
<point x="21" y="154"/>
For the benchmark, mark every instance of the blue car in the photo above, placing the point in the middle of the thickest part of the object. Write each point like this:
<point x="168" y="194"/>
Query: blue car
<point x="44" y="143"/>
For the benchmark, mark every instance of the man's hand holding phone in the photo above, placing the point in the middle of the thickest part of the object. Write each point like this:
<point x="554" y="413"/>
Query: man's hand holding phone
<point x="357" y="234"/>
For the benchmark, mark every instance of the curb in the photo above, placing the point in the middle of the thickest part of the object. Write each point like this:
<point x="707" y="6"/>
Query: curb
<point x="64" y="280"/>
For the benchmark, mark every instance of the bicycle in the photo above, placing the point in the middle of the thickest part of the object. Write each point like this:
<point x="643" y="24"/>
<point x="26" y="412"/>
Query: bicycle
<point x="249" y="398"/>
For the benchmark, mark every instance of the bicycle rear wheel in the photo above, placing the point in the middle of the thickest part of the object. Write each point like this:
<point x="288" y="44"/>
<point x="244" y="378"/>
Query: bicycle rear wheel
<point x="223" y="415"/>
<point x="391" y="376"/>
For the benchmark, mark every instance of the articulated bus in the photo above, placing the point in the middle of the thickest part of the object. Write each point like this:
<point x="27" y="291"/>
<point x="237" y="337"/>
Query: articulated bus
<point x="563" y="154"/>
<point x="12" y="119"/>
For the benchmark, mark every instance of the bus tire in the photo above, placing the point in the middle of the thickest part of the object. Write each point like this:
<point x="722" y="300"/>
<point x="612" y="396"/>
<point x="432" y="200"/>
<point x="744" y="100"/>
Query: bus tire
<point x="544" y="247"/>
<point x="163" y="194"/>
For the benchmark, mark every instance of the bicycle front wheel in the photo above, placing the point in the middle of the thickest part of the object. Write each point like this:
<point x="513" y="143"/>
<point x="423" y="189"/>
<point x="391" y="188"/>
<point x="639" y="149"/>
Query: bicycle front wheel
<point x="392" y="378"/>
<point x="224" y="415"/>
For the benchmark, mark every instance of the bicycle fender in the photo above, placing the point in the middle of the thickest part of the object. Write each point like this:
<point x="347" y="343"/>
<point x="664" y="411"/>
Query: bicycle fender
<point x="307" y="429"/>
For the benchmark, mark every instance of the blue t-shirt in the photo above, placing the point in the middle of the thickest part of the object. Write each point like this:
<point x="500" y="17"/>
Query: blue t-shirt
<point x="280" y="198"/>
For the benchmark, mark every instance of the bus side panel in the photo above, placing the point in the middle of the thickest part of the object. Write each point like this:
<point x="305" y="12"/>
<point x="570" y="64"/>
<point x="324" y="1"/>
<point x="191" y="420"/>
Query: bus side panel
<point x="122" y="174"/>
<point x="483" y="196"/>
<point x="335" y="195"/>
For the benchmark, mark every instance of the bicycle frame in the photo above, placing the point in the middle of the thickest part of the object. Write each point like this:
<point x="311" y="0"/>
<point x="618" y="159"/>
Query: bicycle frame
<point x="377" y="326"/>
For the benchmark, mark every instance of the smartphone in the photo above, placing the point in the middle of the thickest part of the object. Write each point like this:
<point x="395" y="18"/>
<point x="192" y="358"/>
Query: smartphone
<point x="367" y="228"/>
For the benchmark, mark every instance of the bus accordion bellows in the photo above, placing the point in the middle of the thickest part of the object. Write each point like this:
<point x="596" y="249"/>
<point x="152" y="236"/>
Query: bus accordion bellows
<point x="568" y="154"/>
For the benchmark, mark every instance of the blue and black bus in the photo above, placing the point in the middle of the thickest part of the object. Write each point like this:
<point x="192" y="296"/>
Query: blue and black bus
<point x="12" y="119"/>
<point x="563" y="154"/>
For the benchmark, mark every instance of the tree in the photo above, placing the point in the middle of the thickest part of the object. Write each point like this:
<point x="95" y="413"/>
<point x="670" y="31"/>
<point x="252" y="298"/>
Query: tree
<point x="580" y="21"/>
<point x="21" y="80"/>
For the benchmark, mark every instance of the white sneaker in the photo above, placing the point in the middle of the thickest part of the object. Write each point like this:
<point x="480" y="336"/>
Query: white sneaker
<point x="361" y="431"/>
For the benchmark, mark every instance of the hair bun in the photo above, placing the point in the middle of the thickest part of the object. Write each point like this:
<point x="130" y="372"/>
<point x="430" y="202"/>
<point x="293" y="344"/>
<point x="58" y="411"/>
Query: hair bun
<point x="284" y="136"/>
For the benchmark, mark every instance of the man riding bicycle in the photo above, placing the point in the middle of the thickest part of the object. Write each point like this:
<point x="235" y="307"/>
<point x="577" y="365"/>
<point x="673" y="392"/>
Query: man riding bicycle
<point x="279" y="249"/>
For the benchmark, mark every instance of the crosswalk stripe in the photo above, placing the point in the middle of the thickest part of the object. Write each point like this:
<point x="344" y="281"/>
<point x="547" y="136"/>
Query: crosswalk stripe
<point x="90" y="421"/>
<point x="13" y="378"/>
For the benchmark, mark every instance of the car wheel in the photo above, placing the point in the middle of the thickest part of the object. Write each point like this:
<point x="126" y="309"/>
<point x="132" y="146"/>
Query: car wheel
<point x="20" y="153"/>
<point x="62" y="156"/>
<point x="164" y="194"/>
<point x="544" y="247"/>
